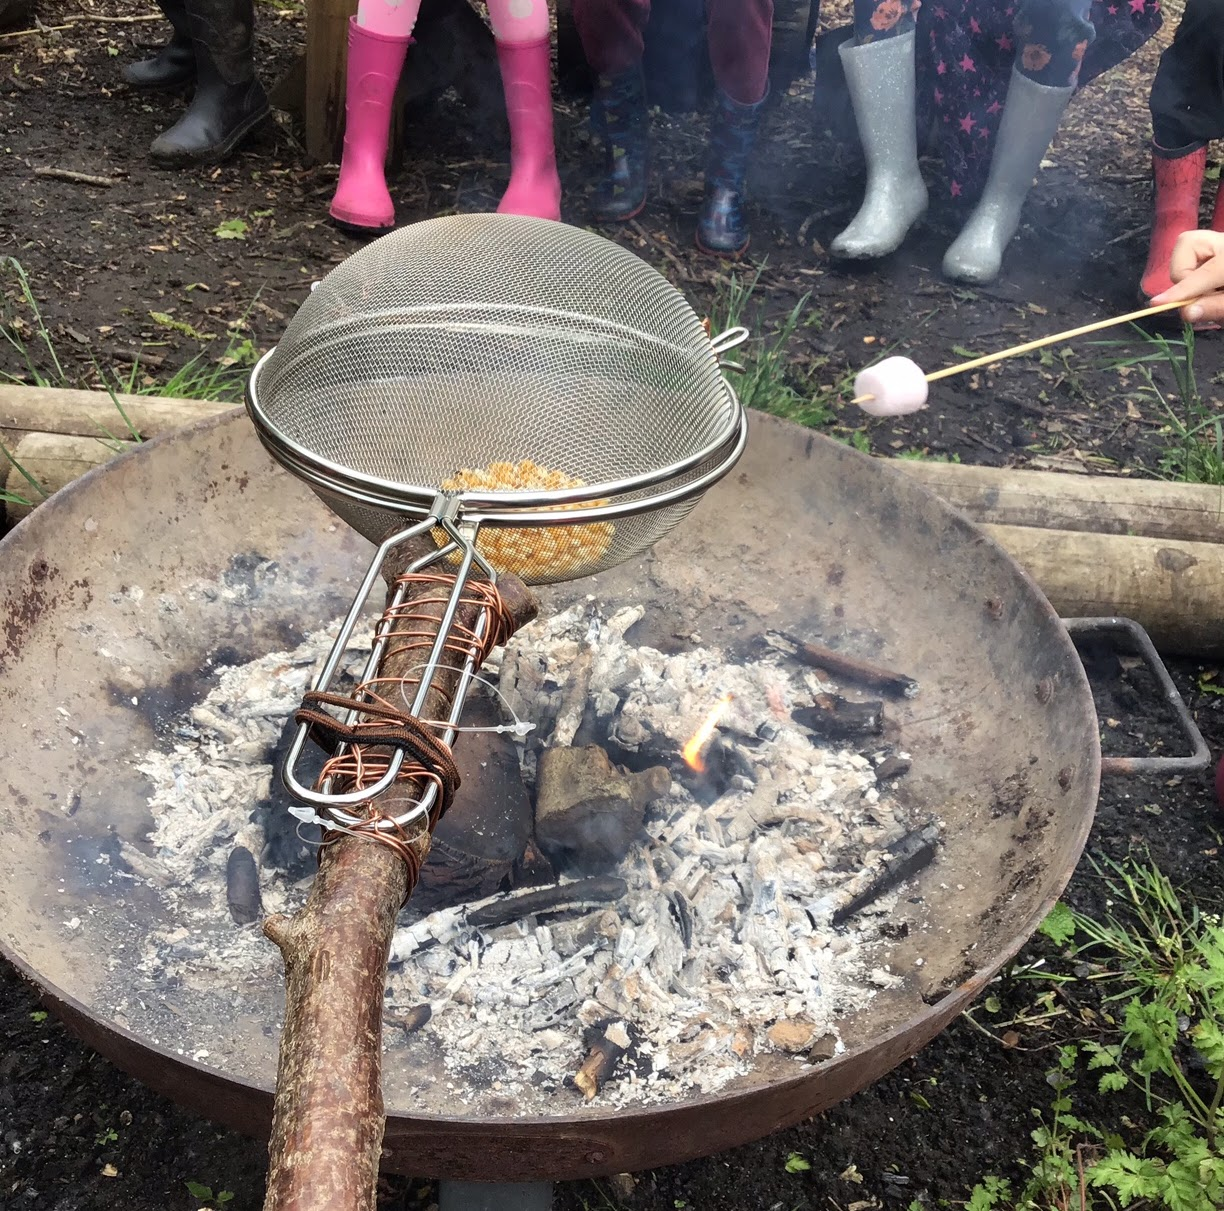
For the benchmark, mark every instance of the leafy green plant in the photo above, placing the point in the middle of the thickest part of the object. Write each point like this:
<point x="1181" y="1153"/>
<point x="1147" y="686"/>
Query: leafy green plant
<point x="1167" y="960"/>
<point x="204" y="1194"/>
<point x="920" y="455"/>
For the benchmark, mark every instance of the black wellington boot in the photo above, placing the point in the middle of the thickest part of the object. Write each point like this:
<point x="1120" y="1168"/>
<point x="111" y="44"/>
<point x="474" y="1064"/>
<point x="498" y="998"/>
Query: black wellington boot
<point x="229" y="101"/>
<point x="618" y="114"/>
<point x="722" y="226"/>
<point x="175" y="64"/>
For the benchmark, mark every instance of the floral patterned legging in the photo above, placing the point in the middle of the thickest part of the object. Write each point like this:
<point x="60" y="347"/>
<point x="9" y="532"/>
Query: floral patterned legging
<point x="1049" y="36"/>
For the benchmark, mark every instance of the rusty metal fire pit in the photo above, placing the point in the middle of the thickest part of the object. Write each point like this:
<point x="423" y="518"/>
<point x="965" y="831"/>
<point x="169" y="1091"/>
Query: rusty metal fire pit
<point x="109" y="635"/>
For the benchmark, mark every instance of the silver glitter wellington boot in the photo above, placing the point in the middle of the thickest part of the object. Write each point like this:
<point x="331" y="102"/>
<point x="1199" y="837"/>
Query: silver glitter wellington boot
<point x="1030" y="120"/>
<point x="881" y="80"/>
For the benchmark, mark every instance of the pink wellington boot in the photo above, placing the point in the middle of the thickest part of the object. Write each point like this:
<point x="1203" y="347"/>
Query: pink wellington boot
<point x="374" y="65"/>
<point x="535" y="188"/>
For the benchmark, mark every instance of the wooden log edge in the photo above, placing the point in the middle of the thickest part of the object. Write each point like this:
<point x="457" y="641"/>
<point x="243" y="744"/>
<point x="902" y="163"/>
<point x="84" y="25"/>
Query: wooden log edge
<point x="1053" y="500"/>
<point x="96" y="413"/>
<point x="1174" y="590"/>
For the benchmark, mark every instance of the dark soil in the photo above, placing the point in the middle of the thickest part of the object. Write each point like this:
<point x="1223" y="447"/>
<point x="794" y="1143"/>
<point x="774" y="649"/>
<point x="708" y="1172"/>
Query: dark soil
<point x="78" y="1134"/>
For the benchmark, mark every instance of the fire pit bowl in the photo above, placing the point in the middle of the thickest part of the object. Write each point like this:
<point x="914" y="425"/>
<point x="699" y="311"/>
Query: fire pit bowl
<point x="125" y="594"/>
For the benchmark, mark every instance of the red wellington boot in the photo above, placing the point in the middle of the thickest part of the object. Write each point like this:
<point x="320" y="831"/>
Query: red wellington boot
<point x="1217" y="215"/>
<point x="1179" y="183"/>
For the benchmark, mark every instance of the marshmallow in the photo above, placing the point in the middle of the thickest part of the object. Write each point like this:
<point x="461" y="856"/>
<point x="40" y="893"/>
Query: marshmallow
<point x="895" y="386"/>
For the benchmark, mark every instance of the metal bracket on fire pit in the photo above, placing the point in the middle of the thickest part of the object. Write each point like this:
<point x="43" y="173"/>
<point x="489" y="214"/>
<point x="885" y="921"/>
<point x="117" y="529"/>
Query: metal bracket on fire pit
<point x="1141" y="645"/>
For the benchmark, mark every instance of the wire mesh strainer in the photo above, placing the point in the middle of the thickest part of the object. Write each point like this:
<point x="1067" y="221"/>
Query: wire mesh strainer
<point x="508" y="383"/>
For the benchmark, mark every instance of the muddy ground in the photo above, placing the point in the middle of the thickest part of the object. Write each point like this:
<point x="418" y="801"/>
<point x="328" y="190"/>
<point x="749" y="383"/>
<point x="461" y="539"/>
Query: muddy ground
<point x="155" y="267"/>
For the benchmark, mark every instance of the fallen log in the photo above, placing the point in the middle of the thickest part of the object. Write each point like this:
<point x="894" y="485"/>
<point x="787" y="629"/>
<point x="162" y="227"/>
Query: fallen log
<point x="1175" y="590"/>
<point x="1051" y="500"/>
<point x="96" y="413"/>
<point x="42" y="463"/>
<point x="328" y="1118"/>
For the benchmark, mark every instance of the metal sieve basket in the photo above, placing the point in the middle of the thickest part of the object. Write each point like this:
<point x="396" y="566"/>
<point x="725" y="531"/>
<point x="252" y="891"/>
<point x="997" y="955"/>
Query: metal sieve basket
<point x="532" y="397"/>
<point x="463" y="342"/>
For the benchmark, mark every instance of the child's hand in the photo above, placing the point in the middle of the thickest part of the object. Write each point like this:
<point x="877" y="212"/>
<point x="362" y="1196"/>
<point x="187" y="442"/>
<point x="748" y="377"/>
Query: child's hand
<point x="1197" y="268"/>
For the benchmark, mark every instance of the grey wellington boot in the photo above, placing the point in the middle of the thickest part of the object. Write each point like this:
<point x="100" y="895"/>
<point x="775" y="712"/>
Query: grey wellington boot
<point x="881" y="80"/>
<point x="1030" y="120"/>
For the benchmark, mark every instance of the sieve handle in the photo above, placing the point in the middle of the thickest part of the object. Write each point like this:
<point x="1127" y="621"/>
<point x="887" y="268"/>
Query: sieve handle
<point x="461" y="540"/>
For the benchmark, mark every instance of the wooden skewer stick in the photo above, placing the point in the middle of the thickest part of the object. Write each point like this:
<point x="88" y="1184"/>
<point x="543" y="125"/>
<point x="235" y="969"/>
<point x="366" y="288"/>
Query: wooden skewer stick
<point x="990" y="358"/>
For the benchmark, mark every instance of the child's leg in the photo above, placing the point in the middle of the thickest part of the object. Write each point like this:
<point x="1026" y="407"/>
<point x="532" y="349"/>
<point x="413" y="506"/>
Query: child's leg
<point x="517" y="20"/>
<point x="395" y="18"/>
<point x="378" y="41"/>
<point x="521" y="31"/>
<point x="1051" y="38"/>
<point x="878" y="19"/>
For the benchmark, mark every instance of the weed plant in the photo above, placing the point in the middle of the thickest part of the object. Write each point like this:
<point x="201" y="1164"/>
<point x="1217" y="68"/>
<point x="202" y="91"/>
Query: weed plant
<point x="1163" y="962"/>
<point x="1195" y="453"/>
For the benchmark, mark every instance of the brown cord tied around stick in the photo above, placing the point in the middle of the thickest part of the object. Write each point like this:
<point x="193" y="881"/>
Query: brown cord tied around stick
<point x="409" y="631"/>
<point x="402" y="731"/>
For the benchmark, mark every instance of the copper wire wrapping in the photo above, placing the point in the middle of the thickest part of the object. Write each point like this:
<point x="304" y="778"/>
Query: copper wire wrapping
<point x="407" y="629"/>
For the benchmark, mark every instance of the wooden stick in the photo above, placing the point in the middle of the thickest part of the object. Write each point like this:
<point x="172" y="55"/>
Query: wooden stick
<point x="70" y="174"/>
<point x="84" y="17"/>
<point x="328" y="1117"/>
<point x="989" y="359"/>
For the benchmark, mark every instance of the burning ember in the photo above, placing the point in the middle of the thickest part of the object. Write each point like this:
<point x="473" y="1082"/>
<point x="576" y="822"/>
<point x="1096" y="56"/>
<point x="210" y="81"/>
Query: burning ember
<point x="694" y="747"/>
<point x="701" y="918"/>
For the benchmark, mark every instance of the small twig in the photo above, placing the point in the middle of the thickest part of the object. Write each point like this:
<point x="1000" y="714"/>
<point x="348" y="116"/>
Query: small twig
<point x="84" y="18"/>
<point x="38" y="29"/>
<point x="91" y="18"/>
<point x="79" y="178"/>
<point x="842" y="664"/>
<point x="1079" y="1165"/>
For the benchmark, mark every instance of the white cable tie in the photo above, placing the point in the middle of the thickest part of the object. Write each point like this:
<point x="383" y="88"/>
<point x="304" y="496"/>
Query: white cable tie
<point x="519" y="728"/>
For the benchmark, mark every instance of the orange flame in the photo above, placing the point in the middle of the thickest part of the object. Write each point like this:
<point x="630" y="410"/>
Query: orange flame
<point x="692" y="751"/>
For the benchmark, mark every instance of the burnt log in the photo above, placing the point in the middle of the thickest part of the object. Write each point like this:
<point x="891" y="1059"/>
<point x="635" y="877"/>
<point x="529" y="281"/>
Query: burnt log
<point x="904" y="858"/>
<point x="835" y="718"/>
<point x="480" y="841"/>
<point x="844" y="665"/>
<point x="607" y="1045"/>
<point x="588" y="811"/>
<point x="328" y="1120"/>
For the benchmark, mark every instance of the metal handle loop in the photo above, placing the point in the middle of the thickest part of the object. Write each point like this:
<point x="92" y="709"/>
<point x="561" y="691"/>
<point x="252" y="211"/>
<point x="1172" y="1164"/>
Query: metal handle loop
<point x="1200" y="758"/>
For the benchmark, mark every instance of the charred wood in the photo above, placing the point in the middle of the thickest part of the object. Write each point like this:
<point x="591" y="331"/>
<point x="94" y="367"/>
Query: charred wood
<point x="835" y="718"/>
<point x="843" y="665"/>
<point x="607" y="1044"/>
<point x="901" y="860"/>
<point x="588" y="812"/>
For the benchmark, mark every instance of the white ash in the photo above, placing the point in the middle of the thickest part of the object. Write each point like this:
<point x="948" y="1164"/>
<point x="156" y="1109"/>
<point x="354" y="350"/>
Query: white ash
<point x="723" y="947"/>
<point x="721" y="950"/>
<point x="207" y="784"/>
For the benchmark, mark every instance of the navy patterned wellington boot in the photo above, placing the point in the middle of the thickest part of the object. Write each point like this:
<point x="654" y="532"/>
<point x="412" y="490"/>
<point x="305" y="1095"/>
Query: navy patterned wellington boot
<point x="722" y="226"/>
<point x="619" y="116"/>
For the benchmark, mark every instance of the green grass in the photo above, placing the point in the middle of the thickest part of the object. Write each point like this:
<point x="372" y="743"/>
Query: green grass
<point x="765" y="375"/>
<point x="25" y="331"/>
<point x="1193" y="430"/>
